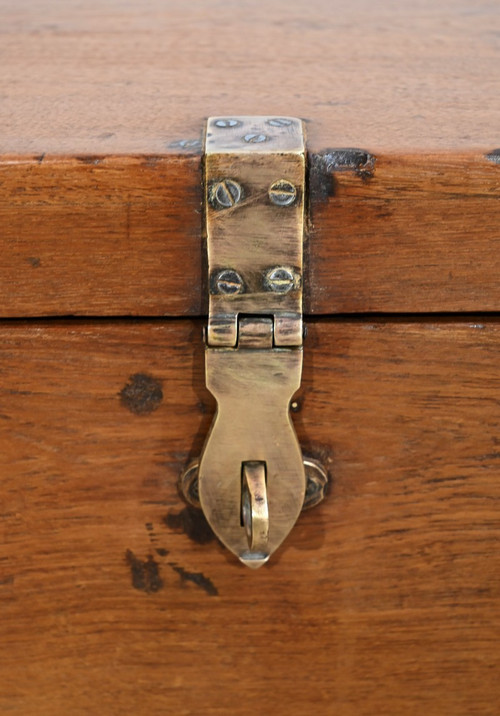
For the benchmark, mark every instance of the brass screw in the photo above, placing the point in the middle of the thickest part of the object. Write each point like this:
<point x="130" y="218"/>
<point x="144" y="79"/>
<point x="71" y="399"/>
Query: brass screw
<point x="226" y="193"/>
<point x="280" y="279"/>
<point x="225" y="123"/>
<point x="282" y="193"/>
<point x="228" y="282"/>
<point x="279" y="122"/>
<point x="254" y="138"/>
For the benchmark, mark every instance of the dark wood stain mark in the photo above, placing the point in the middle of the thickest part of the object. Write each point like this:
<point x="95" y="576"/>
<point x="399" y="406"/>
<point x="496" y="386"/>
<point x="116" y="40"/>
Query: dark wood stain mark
<point x="7" y="580"/>
<point x="204" y="408"/>
<point x="145" y="573"/>
<point x="142" y="394"/>
<point x="153" y="537"/>
<point x="34" y="261"/>
<point x="494" y="156"/>
<point x="192" y="523"/>
<point x="197" y="578"/>
<point x="323" y="165"/>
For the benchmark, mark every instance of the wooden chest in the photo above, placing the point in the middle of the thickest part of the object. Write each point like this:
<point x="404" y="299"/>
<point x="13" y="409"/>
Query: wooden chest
<point x="116" y="597"/>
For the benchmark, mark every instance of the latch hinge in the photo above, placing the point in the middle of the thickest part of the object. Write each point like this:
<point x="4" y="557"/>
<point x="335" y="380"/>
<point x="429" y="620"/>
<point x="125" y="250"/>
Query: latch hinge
<point x="251" y="475"/>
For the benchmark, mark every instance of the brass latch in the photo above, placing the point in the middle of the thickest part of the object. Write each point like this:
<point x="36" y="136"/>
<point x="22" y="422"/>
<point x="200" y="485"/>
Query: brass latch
<point x="251" y="477"/>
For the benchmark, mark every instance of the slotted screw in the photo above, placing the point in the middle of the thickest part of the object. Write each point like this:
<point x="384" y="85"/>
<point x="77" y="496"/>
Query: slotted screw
<point x="227" y="123"/>
<point x="279" y="122"/>
<point x="228" y="282"/>
<point x="255" y="138"/>
<point x="280" y="279"/>
<point x="282" y="193"/>
<point x="226" y="193"/>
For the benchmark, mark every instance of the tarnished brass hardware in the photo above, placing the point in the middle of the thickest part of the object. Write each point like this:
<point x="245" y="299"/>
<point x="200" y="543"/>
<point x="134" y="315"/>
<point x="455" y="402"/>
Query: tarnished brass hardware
<point x="224" y="123"/>
<point x="281" y="279"/>
<point x="282" y="193"/>
<point x="224" y="194"/>
<point x="253" y="388"/>
<point x="251" y="476"/>
<point x="254" y="236"/>
<point x="255" y="333"/>
<point x="255" y="508"/>
<point x="228" y="281"/>
<point x="316" y="483"/>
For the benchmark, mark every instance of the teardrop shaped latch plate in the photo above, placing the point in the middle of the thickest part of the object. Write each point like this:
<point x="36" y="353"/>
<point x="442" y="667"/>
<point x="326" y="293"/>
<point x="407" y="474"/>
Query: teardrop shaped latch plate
<point x="251" y="479"/>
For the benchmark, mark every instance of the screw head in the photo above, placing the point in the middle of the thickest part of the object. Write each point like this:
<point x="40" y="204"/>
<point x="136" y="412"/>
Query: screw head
<point x="255" y="138"/>
<point x="226" y="193"/>
<point x="282" y="193"/>
<point x="225" y="123"/>
<point x="228" y="282"/>
<point x="279" y="122"/>
<point x="280" y="279"/>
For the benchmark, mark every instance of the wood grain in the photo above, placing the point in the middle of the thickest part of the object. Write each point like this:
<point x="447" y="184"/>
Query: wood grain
<point x="101" y="236"/>
<point x="101" y="118"/>
<point x="123" y="235"/>
<point x="422" y="234"/>
<point x="115" y="599"/>
<point x="112" y="77"/>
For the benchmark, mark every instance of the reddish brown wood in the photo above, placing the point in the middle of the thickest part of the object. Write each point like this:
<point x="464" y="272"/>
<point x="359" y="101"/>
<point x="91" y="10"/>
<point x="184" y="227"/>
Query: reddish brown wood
<point x="422" y="234"/>
<point x="384" y="600"/>
<point x="101" y="236"/>
<point x="114" y="596"/>
<point x="123" y="235"/>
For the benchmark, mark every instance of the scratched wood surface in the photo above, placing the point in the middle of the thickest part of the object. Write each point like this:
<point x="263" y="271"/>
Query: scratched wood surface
<point x="114" y="596"/>
<point x="123" y="235"/>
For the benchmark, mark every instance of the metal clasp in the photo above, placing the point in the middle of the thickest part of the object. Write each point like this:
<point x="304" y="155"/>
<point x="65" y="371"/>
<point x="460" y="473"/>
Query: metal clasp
<point x="251" y="474"/>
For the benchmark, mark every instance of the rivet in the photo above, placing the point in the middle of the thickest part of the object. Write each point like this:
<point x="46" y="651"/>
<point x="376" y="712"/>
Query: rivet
<point x="280" y="279"/>
<point x="282" y="193"/>
<point x="225" y="123"/>
<point x="226" y="193"/>
<point x="254" y="138"/>
<point x="279" y="122"/>
<point x="228" y="282"/>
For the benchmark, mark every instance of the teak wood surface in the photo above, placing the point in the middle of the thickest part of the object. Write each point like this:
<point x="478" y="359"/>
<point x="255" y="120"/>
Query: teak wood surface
<point x="101" y="118"/>
<point x="123" y="236"/>
<point x="116" y="599"/>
